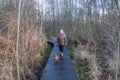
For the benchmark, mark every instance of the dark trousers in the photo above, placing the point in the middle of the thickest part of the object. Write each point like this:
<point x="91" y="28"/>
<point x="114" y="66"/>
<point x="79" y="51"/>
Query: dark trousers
<point x="61" y="48"/>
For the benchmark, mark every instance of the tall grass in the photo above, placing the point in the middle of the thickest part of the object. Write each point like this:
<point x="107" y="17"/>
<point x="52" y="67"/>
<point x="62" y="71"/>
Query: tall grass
<point x="31" y="49"/>
<point x="86" y="65"/>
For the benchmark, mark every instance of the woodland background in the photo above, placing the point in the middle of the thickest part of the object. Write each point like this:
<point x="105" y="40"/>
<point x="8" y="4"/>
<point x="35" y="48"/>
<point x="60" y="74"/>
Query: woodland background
<point x="92" y="30"/>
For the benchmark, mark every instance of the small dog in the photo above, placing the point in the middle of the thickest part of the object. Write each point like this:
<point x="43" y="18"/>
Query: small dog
<point x="56" y="57"/>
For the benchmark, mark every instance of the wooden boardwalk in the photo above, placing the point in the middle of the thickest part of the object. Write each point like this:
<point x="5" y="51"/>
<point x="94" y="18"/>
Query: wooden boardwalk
<point x="61" y="70"/>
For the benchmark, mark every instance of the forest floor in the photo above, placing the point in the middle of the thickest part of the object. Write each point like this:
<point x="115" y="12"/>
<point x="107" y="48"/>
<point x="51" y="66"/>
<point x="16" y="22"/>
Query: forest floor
<point x="31" y="61"/>
<point x="92" y="65"/>
<point x="89" y="64"/>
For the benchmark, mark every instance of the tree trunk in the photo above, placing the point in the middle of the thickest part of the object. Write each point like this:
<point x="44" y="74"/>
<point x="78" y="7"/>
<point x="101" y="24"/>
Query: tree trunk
<point x="17" y="43"/>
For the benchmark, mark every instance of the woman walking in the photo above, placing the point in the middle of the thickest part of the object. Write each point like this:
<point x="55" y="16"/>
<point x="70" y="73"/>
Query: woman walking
<point x="62" y="41"/>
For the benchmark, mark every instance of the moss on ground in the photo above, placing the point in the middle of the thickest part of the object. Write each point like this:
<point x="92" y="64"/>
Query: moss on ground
<point x="71" y="52"/>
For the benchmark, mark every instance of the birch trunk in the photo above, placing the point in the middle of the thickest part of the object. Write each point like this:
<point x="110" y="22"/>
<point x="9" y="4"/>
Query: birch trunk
<point x="17" y="43"/>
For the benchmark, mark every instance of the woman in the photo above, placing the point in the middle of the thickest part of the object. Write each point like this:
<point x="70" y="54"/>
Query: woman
<point x="61" y="39"/>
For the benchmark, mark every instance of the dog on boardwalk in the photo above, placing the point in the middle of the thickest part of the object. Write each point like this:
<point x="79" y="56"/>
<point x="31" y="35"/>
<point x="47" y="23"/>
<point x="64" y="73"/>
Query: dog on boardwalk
<point x="56" y="57"/>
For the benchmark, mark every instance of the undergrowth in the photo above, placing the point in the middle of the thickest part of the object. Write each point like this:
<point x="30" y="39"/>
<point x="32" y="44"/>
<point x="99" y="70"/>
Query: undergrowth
<point x="71" y="51"/>
<point x="85" y="65"/>
<point x="32" y="50"/>
<point x="42" y="61"/>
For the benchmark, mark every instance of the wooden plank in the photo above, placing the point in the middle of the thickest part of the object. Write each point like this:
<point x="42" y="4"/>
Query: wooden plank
<point x="61" y="70"/>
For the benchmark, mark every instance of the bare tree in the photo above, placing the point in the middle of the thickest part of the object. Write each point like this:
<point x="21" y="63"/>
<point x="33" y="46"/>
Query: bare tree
<point x="18" y="33"/>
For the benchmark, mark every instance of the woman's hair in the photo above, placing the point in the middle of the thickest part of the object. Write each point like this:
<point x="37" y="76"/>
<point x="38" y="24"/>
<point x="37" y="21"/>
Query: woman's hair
<point x="61" y="31"/>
